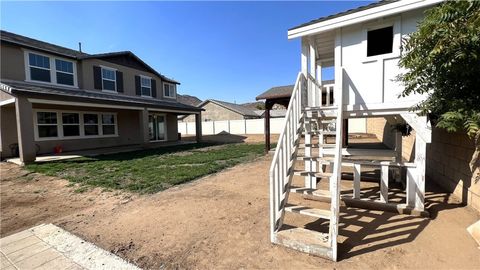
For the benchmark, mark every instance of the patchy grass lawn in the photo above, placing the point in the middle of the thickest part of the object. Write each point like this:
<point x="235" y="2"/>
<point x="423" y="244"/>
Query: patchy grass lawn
<point x="149" y="171"/>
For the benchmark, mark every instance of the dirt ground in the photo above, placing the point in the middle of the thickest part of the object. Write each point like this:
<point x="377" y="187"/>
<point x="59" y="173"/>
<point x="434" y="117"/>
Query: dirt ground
<point x="221" y="221"/>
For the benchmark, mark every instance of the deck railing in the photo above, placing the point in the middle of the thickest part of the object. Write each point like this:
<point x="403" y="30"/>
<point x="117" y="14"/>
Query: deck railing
<point x="281" y="170"/>
<point x="318" y="94"/>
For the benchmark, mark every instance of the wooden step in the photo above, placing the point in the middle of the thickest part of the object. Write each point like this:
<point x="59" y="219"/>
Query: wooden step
<point x="311" y="242"/>
<point x="322" y="160"/>
<point x="316" y="145"/>
<point x="316" y="174"/>
<point x="313" y="194"/>
<point x="318" y="132"/>
<point x="308" y="211"/>
<point x="321" y="108"/>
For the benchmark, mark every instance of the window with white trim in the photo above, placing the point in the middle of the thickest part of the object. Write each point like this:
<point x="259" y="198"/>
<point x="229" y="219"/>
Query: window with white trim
<point x="108" y="124"/>
<point x="70" y="124"/>
<point x="55" y="125"/>
<point x="39" y="67"/>
<point x="64" y="72"/>
<point x="47" y="124"/>
<point x="49" y="69"/>
<point x="169" y="90"/>
<point x="90" y="124"/>
<point x="146" y="86"/>
<point x="109" y="79"/>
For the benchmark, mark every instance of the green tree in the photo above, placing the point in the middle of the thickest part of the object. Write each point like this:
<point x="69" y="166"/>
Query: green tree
<point x="442" y="61"/>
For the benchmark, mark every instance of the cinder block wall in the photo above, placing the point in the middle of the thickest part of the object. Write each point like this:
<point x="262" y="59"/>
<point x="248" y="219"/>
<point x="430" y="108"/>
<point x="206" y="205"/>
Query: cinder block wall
<point x="448" y="158"/>
<point x="383" y="130"/>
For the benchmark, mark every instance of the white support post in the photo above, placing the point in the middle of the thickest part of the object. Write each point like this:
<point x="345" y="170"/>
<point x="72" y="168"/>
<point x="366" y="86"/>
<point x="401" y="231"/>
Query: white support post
<point x="411" y="187"/>
<point x="356" y="180"/>
<point x="420" y="159"/>
<point x="337" y="166"/>
<point x="310" y="180"/>
<point x="384" y="184"/>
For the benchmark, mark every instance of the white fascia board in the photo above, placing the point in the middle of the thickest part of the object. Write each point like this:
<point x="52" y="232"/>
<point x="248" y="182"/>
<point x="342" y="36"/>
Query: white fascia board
<point x="361" y="16"/>
<point x="7" y="101"/>
<point x="83" y="104"/>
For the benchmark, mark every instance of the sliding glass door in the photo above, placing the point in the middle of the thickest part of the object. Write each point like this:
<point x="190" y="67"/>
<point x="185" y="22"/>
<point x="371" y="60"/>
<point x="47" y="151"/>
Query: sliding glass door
<point x="157" y="127"/>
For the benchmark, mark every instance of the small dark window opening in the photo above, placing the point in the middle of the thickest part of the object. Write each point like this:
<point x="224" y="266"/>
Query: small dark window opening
<point x="380" y="41"/>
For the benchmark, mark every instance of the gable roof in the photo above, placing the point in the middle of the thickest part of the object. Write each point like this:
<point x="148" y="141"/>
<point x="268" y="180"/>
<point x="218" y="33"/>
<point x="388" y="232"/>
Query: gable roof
<point x="358" y="15"/>
<point x="283" y="91"/>
<point x="128" y="54"/>
<point x="343" y="13"/>
<point x="24" y="41"/>
<point x="231" y="106"/>
<point x="277" y="92"/>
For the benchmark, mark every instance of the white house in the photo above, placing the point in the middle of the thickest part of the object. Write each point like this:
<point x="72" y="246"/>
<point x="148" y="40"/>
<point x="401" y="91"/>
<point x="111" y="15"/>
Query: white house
<point x="364" y="47"/>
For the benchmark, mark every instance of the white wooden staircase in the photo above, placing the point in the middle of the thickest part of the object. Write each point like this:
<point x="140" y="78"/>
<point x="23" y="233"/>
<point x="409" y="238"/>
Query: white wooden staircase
<point x="302" y="142"/>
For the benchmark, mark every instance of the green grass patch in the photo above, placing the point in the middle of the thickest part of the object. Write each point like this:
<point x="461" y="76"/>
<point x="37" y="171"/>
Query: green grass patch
<point x="153" y="170"/>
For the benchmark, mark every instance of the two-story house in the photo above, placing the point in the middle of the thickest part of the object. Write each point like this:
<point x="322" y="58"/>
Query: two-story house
<point x="53" y="97"/>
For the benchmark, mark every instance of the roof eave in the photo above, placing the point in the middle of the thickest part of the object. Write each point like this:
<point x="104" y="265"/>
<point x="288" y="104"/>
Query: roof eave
<point x="360" y="16"/>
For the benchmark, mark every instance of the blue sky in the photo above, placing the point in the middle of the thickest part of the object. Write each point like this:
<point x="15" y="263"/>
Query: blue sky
<point x="230" y="51"/>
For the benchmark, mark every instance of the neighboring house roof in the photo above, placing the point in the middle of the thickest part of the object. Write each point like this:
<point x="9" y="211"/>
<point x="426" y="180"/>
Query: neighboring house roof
<point x="282" y="91"/>
<point x="91" y="96"/>
<point x="244" y="111"/>
<point x="343" y="13"/>
<point x="273" y="113"/>
<point x="233" y="107"/>
<point x="24" y="41"/>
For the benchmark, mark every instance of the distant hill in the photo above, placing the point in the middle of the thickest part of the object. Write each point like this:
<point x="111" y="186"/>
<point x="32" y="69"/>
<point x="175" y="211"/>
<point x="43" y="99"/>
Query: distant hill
<point x="258" y="105"/>
<point x="189" y="100"/>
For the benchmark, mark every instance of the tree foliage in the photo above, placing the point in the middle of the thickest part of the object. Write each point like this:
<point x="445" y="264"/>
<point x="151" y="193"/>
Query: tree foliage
<point x="442" y="60"/>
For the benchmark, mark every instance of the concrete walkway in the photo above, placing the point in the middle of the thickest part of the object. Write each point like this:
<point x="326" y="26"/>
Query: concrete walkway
<point x="50" y="247"/>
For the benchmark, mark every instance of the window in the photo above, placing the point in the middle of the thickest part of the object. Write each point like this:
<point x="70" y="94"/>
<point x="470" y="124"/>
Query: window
<point x="47" y="124"/>
<point x="55" y="125"/>
<point x="39" y="67"/>
<point x="108" y="124"/>
<point x="380" y="41"/>
<point x="90" y="124"/>
<point x="64" y="72"/>
<point x="146" y="86"/>
<point x="71" y="124"/>
<point x="109" y="79"/>
<point x="169" y="90"/>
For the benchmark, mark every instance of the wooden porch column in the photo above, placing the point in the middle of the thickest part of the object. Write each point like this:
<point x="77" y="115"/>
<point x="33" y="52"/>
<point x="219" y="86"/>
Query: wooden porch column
<point x="268" y="107"/>
<point x="26" y="144"/>
<point x="198" y="127"/>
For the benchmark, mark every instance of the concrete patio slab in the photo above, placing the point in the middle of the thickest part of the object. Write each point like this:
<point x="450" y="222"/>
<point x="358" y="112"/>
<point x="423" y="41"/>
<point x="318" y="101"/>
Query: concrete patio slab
<point x="49" y="247"/>
<point x="97" y="152"/>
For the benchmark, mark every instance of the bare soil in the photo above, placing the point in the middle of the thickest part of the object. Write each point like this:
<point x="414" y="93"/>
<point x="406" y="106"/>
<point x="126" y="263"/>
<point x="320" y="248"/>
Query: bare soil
<point x="221" y="221"/>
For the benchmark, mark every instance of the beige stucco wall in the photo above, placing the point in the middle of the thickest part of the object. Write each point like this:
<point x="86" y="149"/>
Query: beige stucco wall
<point x="172" y="127"/>
<point x="128" y="131"/>
<point x="128" y="77"/>
<point x="8" y="129"/>
<point x="13" y="68"/>
<point x="448" y="158"/>
<point x="12" y="63"/>
<point x="214" y="112"/>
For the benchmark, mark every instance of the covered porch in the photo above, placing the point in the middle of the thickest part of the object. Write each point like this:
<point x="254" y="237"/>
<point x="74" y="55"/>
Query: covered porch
<point x="39" y="127"/>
